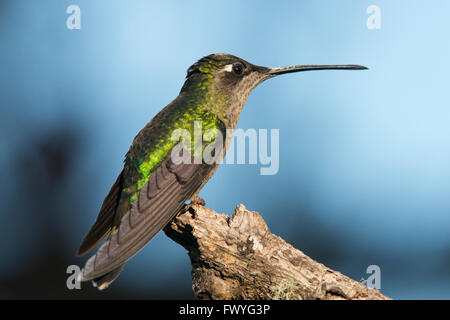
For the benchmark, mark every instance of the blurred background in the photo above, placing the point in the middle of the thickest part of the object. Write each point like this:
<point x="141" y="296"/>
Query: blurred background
<point x="364" y="176"/>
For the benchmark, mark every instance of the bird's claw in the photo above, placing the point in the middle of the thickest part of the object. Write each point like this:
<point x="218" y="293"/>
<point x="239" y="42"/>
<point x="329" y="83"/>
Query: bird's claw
<point x="198" y="200"/>
<point x="194" y="201"/>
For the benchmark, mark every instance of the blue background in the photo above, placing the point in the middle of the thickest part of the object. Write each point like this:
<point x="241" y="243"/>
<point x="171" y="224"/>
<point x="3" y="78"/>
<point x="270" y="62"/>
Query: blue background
<point x="364" y="172"/>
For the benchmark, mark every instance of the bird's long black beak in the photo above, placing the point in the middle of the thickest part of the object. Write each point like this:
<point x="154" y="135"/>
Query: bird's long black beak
<point x="281" y="70"/>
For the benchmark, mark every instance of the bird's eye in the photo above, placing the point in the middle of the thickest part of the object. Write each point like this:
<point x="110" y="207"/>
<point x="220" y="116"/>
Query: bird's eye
<point x="238" y="68"/>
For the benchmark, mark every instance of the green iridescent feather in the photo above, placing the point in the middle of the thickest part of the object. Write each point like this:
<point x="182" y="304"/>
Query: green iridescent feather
<point x="154" y="144"/>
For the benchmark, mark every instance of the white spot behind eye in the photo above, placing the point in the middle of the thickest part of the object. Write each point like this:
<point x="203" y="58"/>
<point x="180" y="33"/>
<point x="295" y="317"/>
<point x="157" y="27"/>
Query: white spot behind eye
<point x="228" y="68"/>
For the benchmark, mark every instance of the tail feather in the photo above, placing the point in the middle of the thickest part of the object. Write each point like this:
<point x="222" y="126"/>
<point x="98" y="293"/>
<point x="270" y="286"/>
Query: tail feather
<point x="104" y="281"/>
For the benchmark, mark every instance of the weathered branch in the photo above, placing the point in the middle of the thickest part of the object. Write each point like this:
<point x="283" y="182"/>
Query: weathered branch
<point x="238" y="257"/>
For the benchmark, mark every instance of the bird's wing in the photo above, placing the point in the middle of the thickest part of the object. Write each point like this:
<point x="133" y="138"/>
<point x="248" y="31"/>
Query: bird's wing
<point x="160" y="199"/>
<point x="104" y="222"/>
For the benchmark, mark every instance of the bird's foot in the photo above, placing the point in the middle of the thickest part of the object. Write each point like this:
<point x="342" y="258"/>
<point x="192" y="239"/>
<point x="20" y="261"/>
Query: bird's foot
<point x="198" y="200"/>
<point x="194" y="201"/>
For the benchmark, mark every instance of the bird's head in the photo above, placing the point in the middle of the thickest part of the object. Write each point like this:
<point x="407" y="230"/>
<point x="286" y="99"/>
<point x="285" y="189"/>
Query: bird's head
<point x="228" y="80"/>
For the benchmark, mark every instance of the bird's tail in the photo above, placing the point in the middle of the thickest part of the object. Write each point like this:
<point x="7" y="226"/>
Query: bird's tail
<point x="105" y="280"/>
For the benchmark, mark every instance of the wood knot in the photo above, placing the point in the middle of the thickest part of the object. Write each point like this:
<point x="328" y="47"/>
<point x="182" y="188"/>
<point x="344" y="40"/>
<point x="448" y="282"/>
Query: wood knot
<point x="245" y="248"/>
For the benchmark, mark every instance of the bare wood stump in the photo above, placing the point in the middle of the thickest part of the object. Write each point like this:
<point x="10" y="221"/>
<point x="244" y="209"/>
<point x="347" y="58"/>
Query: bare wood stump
<point x="238" y="257"/>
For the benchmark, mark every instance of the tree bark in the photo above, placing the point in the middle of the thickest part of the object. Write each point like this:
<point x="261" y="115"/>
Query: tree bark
<point x="238" y="257"/>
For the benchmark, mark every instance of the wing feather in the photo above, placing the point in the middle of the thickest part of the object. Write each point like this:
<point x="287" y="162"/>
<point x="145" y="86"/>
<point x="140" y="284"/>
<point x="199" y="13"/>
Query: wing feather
<point x="104" y="222"/>
<point x="159" y="201"/>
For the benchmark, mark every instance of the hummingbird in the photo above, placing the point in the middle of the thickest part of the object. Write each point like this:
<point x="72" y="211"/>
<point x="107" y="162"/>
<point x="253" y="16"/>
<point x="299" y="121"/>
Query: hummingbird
<point x="153" y="186"/>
